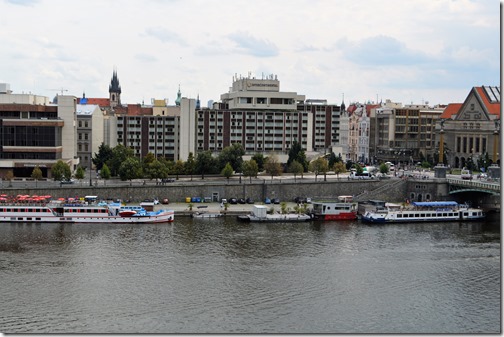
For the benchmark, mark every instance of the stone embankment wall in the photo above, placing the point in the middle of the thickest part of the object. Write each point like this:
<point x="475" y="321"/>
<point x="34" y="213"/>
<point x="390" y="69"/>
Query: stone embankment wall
<point x="388" y="190"/>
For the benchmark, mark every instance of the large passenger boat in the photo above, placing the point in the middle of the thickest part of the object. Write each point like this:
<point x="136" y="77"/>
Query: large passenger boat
<point x="342" y="209"/>
<point x="61" y="212"/>
<point x="428" y="211"/>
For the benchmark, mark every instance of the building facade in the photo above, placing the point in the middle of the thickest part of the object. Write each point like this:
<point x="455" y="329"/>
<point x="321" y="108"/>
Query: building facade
<point x="35" y="132"/>
<point x="471" y="130"/>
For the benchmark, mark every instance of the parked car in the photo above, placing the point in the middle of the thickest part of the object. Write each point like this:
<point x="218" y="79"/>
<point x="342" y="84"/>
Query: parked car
<point x="67" y="181"/>
<point x="233" y="201"/>
<point x="165" y="201"/>
<point x="249" y="201"/>
<point x="267" y="201"/>
<point x="275" y="201"/>
<point x="300" y="200"/>
<point x="241" y="201"/>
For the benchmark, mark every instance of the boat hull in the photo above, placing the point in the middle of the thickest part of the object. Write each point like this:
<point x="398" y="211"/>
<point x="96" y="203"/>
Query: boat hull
<point x="339" y="216"/>
<point x="81" y="214"/>
<point x="276" y="218"/>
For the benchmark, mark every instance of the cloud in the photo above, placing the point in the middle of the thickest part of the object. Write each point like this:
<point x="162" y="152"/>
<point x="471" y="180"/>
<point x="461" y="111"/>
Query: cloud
<point x="23" y="2"/>
<point x="380" y="51"/>
<point x="146" y="57"/>
<point x="164" y="35"/>
<point x="250" y="45"/>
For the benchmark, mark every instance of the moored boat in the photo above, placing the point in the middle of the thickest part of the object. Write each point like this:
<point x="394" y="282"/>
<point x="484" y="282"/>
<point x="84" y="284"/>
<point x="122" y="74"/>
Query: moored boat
<point x="206" y="215"/>
<point x="428" y="211"/>
<point x="60" y="212"/>
<point x="259" y="214"/>
<point x="342" y="209"/>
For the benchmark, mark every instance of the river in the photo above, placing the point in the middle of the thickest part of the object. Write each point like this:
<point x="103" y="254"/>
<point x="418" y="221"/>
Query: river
<point x="223" y="276"/>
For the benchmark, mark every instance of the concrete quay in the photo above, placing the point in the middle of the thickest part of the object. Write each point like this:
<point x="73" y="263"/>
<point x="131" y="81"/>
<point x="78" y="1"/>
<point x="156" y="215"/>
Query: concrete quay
<point x="182" y="209"/>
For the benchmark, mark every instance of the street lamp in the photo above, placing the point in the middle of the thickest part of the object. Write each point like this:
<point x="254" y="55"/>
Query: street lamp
<point x="90" y="175"/>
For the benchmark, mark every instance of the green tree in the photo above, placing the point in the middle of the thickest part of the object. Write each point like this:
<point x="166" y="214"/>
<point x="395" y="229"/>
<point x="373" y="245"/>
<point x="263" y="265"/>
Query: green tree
<point x="61" y="171"/>
<point x="272" y="166"/>
<point x="155" y="170"/>
<point x="259" y="159"/>
<point x="130" y="169"/>
<point x="227" y="171"/>
<point x="333" y="159"/>
<point x="297" y="153"/>
<point x="178" y="168"/>
<point x="206" y="164"/>
<point x="339" y="167"/>
<point x="384" y="169"/>
<point x="79" y="173"/>
<point x="105" y="173"/>
<point x="319" y="166"/>
<point x="250" y="169"/>
<point x="190" y="165"/>
<point x="119" y="154"/>
<point x="36" y="174"/>
<point x="358" y="169"/>
<point x="104" y="154"/>
<point x="296" y="168"/>
<point x="233" y="155"/>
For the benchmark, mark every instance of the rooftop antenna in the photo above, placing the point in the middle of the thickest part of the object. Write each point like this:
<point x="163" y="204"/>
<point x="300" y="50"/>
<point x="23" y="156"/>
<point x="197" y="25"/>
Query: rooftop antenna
<point x="61" y="89"/>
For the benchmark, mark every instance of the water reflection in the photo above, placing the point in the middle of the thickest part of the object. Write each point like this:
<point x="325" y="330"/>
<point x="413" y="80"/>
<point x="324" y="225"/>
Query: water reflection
<point x="224" y="276"/>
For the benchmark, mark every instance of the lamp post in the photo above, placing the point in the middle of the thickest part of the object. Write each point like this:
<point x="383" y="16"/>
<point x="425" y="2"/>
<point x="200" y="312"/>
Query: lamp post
<point x="494" y="170"/>
<point x="90" y="175"/>
<point x="440" y="169"/>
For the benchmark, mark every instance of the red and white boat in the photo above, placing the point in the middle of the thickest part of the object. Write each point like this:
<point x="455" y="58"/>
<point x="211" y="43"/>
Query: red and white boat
<point x="342" y="209"/>
<point x="61" y="212"/>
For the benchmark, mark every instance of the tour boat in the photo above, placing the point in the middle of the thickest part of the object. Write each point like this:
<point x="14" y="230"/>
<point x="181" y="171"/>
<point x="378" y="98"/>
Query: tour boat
<point x="428" y="211"/>
<point x="342" y="209"/>
<point x="60" y="212"/>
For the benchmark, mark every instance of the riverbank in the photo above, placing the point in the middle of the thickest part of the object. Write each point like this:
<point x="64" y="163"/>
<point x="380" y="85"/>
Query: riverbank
<point x="183" y="209"/>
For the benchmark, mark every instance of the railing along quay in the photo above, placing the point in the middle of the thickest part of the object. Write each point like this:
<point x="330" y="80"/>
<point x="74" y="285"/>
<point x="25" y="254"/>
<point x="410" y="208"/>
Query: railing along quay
<point x="475" y="184"/>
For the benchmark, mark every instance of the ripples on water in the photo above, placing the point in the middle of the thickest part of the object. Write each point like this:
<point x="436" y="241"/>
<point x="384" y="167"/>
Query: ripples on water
<point x="222" y="276"/>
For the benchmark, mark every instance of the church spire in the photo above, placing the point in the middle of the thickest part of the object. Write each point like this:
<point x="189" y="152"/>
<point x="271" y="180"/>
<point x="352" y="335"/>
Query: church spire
<point x="179" y="97"/>
<point x="114" y="90"/>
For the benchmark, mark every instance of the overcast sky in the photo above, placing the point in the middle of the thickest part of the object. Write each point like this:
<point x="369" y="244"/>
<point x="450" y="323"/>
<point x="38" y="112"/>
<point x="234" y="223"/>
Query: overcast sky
<point x="408" y="51"/>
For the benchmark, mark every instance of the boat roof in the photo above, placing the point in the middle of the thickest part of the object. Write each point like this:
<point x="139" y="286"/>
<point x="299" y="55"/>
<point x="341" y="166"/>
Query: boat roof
<point x="435" y="203"/>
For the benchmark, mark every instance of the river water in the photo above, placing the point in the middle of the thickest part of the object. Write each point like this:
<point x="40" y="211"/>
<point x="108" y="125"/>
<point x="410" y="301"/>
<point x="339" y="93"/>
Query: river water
<point x="223" y="276"/>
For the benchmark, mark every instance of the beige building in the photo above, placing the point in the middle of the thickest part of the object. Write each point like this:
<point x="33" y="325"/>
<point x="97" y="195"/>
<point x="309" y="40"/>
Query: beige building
<point x="471" y="130"/>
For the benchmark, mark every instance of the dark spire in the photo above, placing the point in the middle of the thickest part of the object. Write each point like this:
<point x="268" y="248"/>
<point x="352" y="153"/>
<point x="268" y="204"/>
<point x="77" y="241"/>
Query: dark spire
<point x="114" y="84"/>
<point x="179" y="97"/>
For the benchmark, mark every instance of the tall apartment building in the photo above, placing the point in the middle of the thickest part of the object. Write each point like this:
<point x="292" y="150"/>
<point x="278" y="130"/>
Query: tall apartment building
<point x="256" y="114"/>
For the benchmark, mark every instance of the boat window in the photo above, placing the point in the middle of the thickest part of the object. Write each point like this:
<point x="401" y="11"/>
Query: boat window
<point x="399" y="215"/>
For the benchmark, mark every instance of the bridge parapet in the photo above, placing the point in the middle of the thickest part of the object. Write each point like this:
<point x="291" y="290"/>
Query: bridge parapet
<point x="491" y="187"/>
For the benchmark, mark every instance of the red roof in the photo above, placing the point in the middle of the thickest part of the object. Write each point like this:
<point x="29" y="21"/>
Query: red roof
<point x="451" y="109"/>
<point x="102" y="102"/>
<point x="492" y="108"/>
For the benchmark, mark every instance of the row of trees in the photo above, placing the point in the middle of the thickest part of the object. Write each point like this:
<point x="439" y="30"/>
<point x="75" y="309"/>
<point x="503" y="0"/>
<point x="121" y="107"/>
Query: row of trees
<point x="121" y="162"/>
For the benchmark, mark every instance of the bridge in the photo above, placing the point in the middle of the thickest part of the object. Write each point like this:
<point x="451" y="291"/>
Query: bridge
<point x="460" y="185"/>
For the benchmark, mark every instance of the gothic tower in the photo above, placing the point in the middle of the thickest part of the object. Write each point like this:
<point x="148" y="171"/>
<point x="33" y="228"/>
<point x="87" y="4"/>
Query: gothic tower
<point x="114" y="91"/>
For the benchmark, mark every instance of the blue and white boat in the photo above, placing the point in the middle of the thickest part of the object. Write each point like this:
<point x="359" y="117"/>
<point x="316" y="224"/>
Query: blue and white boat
<point x="428" y="211"/>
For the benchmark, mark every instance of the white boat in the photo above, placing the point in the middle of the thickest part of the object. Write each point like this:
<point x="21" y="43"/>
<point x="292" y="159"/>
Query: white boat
<point x="342" y="209"/>
<point x="428" y="211"/>
<point x="60" y="212"/>
<point x="206" y="215"/>
<point x="260" y="214"/>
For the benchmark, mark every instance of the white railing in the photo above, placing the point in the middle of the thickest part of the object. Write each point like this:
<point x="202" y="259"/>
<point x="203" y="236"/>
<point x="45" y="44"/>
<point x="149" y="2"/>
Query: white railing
<point x="492" y="186"/>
